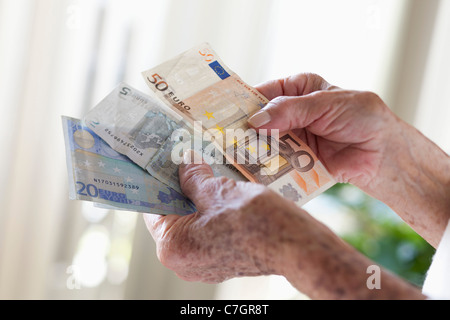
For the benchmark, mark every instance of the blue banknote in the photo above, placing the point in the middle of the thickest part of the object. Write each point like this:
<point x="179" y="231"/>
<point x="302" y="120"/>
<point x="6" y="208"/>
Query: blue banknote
<point x="100" y="174"/>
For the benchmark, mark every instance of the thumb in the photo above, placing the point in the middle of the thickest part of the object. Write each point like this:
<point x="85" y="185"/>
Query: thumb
<point x="193" y="173"/>
<point x="285" y="113"/>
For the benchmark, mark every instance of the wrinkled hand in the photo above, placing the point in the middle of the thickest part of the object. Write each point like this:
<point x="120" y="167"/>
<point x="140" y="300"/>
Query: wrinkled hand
<point x="347" y="130"/>
<point x="239" y="229"/>
<point x="245" y="229"/>
<point x="361" y="141"/>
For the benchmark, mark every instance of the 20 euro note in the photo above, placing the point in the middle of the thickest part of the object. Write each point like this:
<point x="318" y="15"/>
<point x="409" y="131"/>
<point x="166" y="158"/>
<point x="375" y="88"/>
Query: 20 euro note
<point x="147" y="131"/>
<point x="201" y="88"/>
<point x="100" y="174"/>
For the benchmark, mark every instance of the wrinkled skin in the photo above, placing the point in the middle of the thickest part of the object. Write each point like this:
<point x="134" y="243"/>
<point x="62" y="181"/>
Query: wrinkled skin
<point x="245" y="229"/>
<point x="230" y="214"/>
<point x="330" y="121"/>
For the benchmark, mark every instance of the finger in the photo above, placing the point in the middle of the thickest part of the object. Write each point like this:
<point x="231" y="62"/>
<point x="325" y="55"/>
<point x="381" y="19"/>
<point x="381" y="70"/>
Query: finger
<point x="158" y="224"/>
<point x="287" y="113"/>
<point x="271" y="89"/>
<point x="193" y="173"/>
<point x="297" y="85"/>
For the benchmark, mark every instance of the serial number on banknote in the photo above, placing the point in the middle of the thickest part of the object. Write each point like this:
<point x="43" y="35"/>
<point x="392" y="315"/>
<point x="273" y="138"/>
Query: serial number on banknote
<point x="126" y="144"/>
<point x="117" y="184"/>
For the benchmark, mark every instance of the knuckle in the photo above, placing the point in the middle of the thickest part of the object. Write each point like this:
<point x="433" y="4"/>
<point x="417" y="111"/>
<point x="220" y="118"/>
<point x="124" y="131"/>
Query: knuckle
<point x="188" y="177"/>
<point x="278" y="101"/>
<point x="224" y="186"/>
<point x="228" y="183"/>
<point x="256" y="194"/>
<point x="323" y="98"/>
<point x="315" y="82"/>
<point x="321" y="94"/>
<point x="371" y="101"/>
<point x="213" y="186"/>
<point x="314" y="77"/>
<point x="193" y="179"/>
<point x="370" y="97"/>
<point x="224" y="180"/>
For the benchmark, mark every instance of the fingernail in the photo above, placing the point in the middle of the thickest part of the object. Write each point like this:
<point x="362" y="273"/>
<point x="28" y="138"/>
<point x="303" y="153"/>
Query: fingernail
<point x="191" y="156"/>
<point x="259" y="119"/>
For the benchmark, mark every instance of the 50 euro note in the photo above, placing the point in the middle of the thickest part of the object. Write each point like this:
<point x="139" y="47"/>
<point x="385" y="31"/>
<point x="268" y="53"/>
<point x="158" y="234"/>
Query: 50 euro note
<point x="201" y="88"/>
<point x="99" y="174"/>
<point x="147" y="131"/>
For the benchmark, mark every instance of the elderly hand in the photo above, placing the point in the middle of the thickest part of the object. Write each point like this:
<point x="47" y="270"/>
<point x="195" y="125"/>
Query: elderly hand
<point x="346" y="129"/>
<point x="361" y="141"/>
<point x="245" y="229"/>
<point x="239" y="228"/>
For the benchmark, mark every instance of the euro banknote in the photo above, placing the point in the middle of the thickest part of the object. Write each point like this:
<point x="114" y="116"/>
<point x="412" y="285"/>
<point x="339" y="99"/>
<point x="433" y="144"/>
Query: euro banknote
<point x="100" y="174"/>
<point x="198" y="86"/>
<point x="148" y="132"/>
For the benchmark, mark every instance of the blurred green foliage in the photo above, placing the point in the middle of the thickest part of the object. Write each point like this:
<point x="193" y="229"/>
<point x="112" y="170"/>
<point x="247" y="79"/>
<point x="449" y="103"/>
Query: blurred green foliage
<point x="382" y="236"/>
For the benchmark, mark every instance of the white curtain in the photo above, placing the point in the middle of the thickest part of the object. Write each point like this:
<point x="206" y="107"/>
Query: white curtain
<point x="433" y="114"/>
<point x="60" y="57"/>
